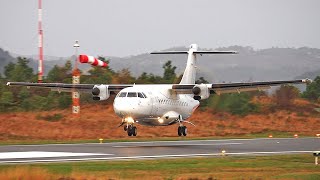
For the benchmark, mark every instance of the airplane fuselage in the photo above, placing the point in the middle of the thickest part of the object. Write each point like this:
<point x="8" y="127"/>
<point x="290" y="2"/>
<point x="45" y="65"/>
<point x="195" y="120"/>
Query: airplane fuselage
<point x="153" y="105"/>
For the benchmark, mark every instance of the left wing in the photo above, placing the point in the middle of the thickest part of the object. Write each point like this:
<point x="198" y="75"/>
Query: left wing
<point x="61" y="87"/>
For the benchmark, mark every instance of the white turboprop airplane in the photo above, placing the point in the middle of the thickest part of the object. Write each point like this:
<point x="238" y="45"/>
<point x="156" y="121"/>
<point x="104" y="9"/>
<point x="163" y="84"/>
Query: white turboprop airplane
<point x="161" y="104"/>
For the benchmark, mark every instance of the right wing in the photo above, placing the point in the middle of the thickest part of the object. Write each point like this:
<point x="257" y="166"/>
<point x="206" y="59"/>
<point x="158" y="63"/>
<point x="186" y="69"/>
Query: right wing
<point x="221" y="88"/>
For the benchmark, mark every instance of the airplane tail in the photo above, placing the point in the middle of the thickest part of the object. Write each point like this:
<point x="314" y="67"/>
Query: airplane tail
<point x="189" y="75"/>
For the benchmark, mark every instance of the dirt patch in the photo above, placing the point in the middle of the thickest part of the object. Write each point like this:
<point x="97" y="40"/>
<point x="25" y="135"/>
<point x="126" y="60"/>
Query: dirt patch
<point x="100" y="121"/>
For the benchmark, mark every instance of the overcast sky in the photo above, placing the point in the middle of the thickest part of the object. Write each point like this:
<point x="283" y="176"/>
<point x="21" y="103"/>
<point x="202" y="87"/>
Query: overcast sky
<point x="130" y="27"/>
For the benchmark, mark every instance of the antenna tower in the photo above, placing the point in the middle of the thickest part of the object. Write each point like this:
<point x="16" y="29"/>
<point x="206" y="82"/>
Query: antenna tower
<point x="40" y="45"/>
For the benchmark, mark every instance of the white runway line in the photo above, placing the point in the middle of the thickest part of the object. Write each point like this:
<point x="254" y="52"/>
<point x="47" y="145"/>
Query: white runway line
<point x="151" y="157"/>
<point x="174" y="145"/>
<point x="43" y="154"/>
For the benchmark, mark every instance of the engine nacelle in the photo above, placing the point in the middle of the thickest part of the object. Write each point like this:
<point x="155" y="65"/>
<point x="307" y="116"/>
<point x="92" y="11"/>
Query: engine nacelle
<point x="200" y="91"/>
<point x="100" y="92"/>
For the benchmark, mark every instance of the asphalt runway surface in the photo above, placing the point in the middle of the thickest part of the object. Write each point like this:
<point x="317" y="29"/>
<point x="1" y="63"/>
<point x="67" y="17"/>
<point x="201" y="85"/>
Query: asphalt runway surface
<point x="155" y="149"/>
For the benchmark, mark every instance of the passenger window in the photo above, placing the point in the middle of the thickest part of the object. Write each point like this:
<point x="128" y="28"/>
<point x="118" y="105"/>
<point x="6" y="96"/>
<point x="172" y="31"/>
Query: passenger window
<point x="123" y="94"/>
<point x="140" y="95"/>
<point x="132" y="94"/>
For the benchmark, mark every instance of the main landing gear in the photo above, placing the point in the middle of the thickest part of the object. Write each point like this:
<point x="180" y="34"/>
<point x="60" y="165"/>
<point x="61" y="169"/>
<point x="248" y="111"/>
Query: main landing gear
<point x="131" y="130"/>
<point x="182" y="130"/>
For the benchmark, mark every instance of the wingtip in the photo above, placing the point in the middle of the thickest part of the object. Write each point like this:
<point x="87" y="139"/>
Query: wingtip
<point x="307" y="81"/>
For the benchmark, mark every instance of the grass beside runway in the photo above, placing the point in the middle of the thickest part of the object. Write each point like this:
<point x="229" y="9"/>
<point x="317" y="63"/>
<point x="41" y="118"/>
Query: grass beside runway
<point x="299" y="166"/>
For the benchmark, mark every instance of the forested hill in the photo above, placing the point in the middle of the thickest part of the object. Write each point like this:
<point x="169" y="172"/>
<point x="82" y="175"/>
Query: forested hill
<point x="5" y="58"/>
<point x="249" y="64"/>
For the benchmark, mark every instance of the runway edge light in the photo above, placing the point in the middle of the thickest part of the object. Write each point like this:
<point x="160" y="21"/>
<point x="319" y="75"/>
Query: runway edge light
<point x="316" y="155"/>
<point x="223" y="152"/>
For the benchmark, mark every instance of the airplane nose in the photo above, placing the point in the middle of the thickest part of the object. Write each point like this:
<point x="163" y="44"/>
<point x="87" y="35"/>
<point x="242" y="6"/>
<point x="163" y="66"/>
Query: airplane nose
<point x="124" y="108"/>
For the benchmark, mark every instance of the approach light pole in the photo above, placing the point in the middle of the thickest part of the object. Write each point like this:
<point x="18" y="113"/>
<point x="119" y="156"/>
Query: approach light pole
<point x="76" y="80"/>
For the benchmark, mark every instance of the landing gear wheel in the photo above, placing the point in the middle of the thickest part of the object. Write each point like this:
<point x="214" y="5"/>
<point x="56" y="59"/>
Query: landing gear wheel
<point x="129" y="130"/>
<point x="134" y="131"/>
<point x="184" y="130"/>
<point x="180" y="130"/>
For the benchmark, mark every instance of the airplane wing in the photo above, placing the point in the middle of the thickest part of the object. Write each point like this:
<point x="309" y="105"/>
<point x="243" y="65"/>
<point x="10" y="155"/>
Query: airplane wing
<point x="61" y="87"/>
<point x="221" y="88"/>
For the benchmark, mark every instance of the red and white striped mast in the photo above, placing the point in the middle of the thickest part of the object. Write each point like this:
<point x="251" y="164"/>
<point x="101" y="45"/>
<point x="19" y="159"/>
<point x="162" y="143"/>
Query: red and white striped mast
<point x="40" y="45"/>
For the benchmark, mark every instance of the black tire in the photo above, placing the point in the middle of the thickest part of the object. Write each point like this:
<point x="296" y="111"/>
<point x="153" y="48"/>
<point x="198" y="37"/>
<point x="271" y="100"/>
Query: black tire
<point x="184" y="130"/>
<point x="179" y="130"/>
<point x="134" y="131"/>
<point x="129" y="130"/>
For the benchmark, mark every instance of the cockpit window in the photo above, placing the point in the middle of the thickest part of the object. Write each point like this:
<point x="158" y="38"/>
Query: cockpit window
<point x="123" y="94"/>
<point x="144" y="95"/>
<point x="140" y="95"/>
<point x="132" y="94"/>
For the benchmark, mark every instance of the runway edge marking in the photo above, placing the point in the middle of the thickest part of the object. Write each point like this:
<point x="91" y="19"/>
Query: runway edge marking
<point x="150" y="157"/>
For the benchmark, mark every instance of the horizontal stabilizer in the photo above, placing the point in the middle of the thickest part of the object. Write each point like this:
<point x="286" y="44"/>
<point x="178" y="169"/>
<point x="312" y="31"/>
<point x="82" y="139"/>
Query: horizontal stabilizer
<point x="170" y="52"/>
<point x="195" y="52"/>
<point x="215" y="52"/>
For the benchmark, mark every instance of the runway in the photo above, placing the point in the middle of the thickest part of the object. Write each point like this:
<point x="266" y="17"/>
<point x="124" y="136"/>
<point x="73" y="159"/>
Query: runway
<point x="154" y="149"/>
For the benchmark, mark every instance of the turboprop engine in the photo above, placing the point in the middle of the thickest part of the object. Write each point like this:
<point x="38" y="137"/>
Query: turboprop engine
<point x="100" y="92"/>
<point x="200" y="91"/>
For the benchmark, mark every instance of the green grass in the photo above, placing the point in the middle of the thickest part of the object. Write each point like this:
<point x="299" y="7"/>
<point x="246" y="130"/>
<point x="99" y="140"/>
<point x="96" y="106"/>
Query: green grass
<point x="298" y="166"/>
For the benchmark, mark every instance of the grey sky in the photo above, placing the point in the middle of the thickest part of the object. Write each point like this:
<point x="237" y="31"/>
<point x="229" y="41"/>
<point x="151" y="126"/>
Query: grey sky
<point x="129" y="27"/>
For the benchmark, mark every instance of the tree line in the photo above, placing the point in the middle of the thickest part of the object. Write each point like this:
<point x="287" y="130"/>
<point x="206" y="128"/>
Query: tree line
<point x="23" y="99"/>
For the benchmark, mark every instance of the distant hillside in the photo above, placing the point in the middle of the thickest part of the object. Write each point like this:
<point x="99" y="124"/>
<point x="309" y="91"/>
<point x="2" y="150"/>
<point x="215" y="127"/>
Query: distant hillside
<point x="5" y="58"/>
<point x="248" y="65"/>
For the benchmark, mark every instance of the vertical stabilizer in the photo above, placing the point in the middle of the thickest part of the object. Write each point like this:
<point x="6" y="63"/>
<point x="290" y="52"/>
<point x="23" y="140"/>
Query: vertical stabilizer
<point x="189" y="75"/>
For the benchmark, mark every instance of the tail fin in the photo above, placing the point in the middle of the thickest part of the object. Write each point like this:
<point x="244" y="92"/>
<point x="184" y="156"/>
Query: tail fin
<point x="189" y="75"/>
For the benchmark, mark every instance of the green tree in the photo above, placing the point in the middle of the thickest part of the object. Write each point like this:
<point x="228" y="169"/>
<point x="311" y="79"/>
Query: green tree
<point x="60" y="74"/>
<point x="145" y="78"/>
<point x="169" y="74"/>
<point x="8" y="69"/>
<point x="20" y="71"/>
<point x="123" y="77"/>
<point x="238" y="104"/>
<point x="313" y="90"/>
<point x="6" y="101"/>
<point x="64" y="100"/>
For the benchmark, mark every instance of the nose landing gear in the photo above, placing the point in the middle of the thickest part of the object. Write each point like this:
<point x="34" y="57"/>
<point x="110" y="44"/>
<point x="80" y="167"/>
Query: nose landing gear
<point x="132" y="130"/>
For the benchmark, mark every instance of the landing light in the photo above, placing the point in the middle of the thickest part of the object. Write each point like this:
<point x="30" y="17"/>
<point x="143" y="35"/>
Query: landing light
<point x="129" y="120"/>
<point x="160" y="120"/>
